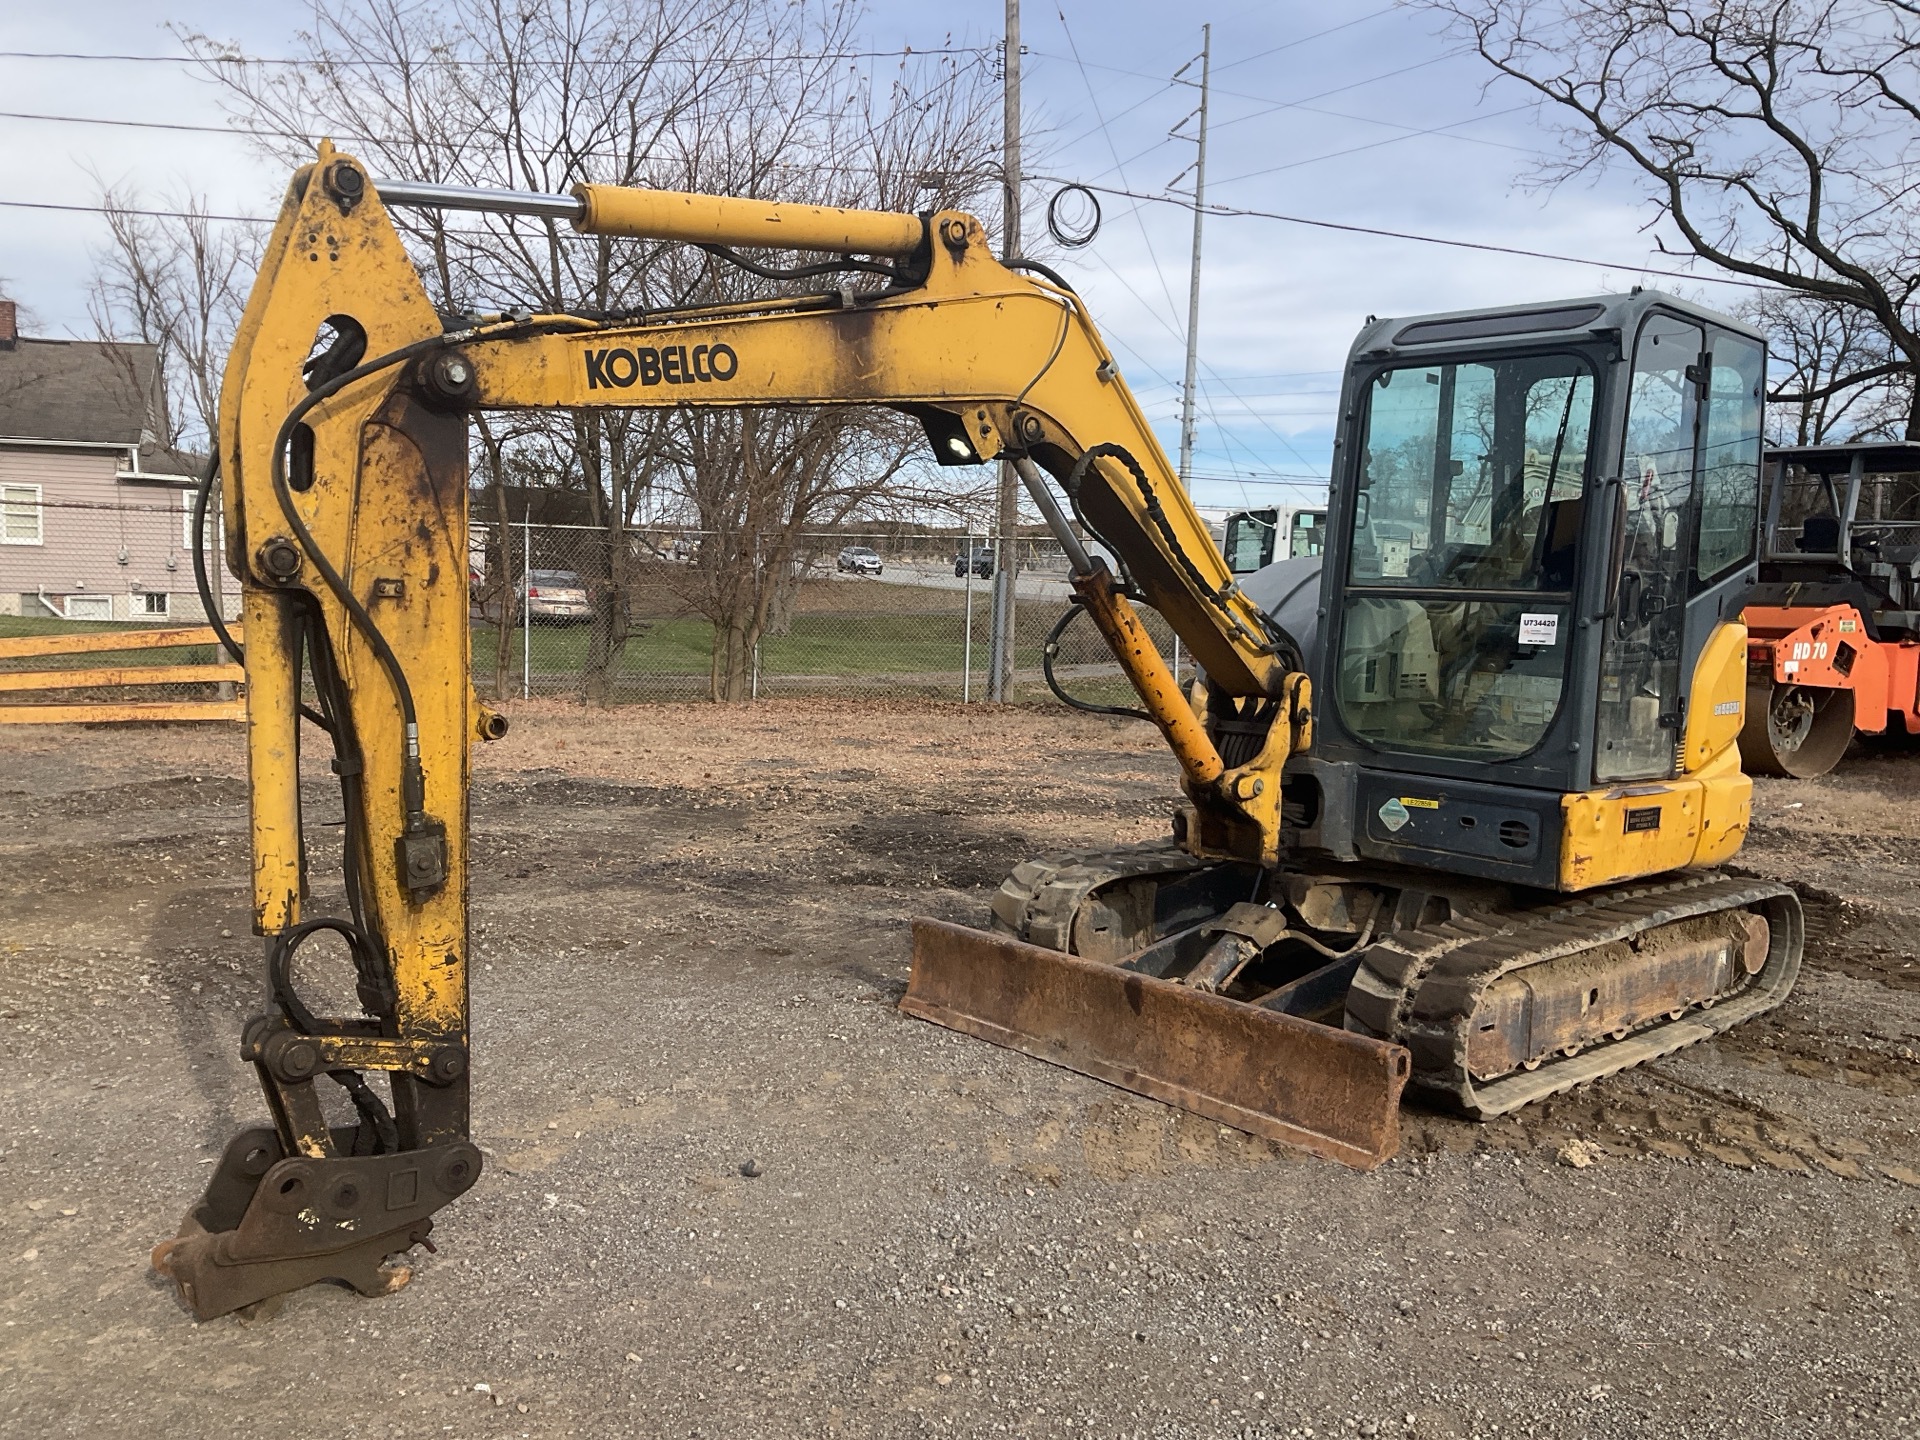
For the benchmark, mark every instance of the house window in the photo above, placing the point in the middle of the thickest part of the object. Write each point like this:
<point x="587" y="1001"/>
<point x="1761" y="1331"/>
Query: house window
<point x="156" y="604"/>
<point x="89" y="607"/>
<point x="216" y="530"/>
<point x="20" y="522"/>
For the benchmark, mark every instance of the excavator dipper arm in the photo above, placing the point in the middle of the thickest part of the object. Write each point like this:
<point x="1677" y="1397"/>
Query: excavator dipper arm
<point x="343" y="441"/>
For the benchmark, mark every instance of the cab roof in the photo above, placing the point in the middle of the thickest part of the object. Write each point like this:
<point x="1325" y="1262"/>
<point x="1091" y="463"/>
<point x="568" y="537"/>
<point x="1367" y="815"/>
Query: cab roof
<point x="1502" y="325"/>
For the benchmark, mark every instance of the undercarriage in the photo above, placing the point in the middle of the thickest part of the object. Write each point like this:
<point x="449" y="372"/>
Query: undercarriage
<point x="1478" y="997"/>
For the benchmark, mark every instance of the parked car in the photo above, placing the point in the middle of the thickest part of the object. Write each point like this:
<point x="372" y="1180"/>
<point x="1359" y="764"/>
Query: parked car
<point x="982" y="562"/>
<point x="558" y="597"/>
<point x="859" y="560"/>
<point x="553" y="597"/>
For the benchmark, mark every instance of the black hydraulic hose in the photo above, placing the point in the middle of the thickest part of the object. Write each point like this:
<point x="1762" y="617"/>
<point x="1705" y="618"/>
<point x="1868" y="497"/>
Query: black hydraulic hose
<point x="412" y="783"/>
<point x="280" y="967"/>
<point x="1045" y="272"/>
<point x="203" y="582"/>
<point x="311" y="547"/>
<point x="801" y="272"/>
<point x="1279" y="643"/>
<point x="349" y="764"/>
<point x="375" y="1114"/>
<point x="200" y="578"/>
<point x="1052" y="647"/>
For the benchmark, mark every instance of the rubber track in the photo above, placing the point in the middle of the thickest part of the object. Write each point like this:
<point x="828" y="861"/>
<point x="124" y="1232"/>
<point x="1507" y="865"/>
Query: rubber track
<point x="1422" y="987"/>
<point x="1037" y="903"/>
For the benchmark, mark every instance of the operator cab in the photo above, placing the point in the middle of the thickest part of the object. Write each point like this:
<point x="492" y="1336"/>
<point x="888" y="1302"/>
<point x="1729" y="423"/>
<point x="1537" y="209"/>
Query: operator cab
<point x="1538" y="515"/>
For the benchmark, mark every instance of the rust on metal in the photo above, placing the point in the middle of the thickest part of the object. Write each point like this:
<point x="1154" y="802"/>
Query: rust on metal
<point x="1325" y="1091"/>
<point x="270" y="1222"/>
<point x="1561" y="1007"/>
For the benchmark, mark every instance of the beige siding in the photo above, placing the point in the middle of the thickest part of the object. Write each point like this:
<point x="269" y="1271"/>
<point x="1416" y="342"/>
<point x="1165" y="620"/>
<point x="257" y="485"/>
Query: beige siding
<point x="100" y="536"/>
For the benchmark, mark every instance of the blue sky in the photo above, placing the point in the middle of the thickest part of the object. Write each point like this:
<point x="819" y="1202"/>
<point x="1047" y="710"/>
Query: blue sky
<point x="1353" y="112"/>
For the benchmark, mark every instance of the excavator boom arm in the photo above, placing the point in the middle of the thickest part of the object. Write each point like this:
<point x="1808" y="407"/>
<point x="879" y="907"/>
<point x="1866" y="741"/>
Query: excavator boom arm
<point x="343" y="439"/>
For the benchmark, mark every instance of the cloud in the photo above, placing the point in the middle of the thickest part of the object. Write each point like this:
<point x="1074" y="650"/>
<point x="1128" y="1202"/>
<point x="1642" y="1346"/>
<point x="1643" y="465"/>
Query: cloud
<point x="1280" y="302"/>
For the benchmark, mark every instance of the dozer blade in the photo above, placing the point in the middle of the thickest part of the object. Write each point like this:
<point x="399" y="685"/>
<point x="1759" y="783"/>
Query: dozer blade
<point x="1325" y="1091"/>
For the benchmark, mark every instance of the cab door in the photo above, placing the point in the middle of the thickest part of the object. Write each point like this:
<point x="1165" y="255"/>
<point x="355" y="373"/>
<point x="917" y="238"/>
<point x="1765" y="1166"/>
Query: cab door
<point x="1637" y="723"/>
<point x="1690" y="478"/>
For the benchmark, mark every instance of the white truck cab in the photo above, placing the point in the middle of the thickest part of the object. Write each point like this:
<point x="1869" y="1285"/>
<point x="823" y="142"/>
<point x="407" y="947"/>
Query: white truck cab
<point x="1256" y="538"/>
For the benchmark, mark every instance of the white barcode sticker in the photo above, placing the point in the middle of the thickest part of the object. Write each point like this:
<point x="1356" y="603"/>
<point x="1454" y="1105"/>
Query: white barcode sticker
<point x="1539" y="629"/>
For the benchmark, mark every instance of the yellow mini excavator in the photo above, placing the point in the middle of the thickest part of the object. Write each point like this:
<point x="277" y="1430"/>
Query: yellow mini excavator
<point x="1450" y="787"/>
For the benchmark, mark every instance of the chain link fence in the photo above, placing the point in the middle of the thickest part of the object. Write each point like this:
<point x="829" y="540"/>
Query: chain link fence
<point x="80" y="571"/>
<point x="664" y="613"/>
<point x="655" y="613"/>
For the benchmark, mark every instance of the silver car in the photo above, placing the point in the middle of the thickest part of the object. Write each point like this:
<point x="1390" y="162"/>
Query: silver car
<point x="552" y="597"/>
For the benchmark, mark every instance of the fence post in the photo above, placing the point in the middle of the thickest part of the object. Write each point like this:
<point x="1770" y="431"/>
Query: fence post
<point x="526" y="604"/>
<point x="966" y="643"/>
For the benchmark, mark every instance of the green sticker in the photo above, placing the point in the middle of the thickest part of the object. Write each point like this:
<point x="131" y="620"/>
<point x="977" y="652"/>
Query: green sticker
<point x="1393" y="814"/>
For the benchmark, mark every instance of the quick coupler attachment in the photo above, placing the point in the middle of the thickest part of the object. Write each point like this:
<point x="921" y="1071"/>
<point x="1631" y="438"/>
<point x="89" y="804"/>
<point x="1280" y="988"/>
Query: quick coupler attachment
<point x="270" y="1223"/>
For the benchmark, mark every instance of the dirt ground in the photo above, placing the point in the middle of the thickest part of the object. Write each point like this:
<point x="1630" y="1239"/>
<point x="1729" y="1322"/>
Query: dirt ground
<point x="690" y="932"/>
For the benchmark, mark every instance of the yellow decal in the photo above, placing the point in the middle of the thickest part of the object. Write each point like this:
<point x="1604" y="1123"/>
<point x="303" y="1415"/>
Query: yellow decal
<point x="1418" y="804"/>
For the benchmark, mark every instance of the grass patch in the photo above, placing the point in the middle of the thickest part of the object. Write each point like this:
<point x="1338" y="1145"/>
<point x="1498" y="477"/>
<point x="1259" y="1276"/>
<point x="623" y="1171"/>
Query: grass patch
<point x="815" y="644"/>
<point x="28" y="625"/>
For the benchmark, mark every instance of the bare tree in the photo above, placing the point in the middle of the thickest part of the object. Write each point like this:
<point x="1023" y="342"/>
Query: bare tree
<point x="178" y="284"/>
<point x="748" y="97"/>
<point x="1821" y="351"/>
<point x="1777" y="136"/>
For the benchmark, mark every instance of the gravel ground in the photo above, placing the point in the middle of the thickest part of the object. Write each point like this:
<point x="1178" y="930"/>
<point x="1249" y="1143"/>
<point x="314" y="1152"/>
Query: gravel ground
<point x="690" y="927"/>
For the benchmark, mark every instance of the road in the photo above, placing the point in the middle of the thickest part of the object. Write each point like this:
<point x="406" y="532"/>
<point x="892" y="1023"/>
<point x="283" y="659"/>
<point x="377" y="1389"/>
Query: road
<point x="1028" y="584"/>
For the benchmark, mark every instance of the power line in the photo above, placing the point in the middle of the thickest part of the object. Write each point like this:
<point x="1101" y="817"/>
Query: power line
<point x="1114" y="151"/>
<point x="1230" y="211"/>
<point x="807" y="167"/>
<point x="1442" y="131"/>
<point x="1303" y="104"/>
<point x="182" y="126"/>
<point x="1205" y="399"/>
<point x="1352" y="229"/>
<point x="438" y="61"/>
<point x="129" y="210"/>
<point x="1266" y="478"/>
<point x="1318" y="34"/>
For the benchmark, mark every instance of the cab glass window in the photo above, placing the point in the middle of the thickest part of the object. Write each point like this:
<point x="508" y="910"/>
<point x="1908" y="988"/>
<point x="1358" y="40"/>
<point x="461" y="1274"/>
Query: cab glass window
<point x="1249" y="542"/>
<point x="1458" y="616"/>
<point x="1472" y="475"/>
<point x="1730" y="456"/>
<point x="1638" y="721"/>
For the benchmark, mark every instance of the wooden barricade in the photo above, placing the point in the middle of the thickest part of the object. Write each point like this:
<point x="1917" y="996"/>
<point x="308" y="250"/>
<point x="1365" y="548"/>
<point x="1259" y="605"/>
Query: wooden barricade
<point x="19" y="685"/>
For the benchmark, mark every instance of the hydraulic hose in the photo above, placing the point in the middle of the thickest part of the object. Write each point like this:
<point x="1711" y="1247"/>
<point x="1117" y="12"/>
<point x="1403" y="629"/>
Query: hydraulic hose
<point x="1052" y="648"/>
<point x="200" y="578"/>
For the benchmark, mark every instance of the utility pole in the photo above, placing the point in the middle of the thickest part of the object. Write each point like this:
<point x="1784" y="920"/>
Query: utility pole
<point x="1193" y="273"/>
<point x="1193" y="277"/>
<point x="1000" y="677"/>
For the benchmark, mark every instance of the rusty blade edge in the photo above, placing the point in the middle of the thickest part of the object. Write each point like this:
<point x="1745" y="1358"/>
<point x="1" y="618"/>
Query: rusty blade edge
<point x="1382" y="1069"/>
<point x="1167" y="1092"/>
